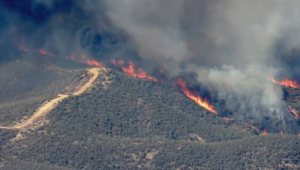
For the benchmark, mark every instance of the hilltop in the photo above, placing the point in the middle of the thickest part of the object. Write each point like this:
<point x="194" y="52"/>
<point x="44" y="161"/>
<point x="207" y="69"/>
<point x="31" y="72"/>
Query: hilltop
<point x="26" y="84"/>
<point x="129" y="123"/>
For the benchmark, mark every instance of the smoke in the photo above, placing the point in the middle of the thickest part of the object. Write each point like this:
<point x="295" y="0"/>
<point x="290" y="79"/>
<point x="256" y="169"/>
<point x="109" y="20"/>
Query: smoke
<point x="234" y="46"/>
<point x="63" y="27"/>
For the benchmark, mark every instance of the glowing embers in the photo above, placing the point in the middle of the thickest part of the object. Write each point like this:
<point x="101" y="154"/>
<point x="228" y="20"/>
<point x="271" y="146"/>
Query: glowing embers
<point x="196" y="98"/>
<point x="130" y="70"/>
<point x="43" y="51"/>
<point x="286" y="82"/>
<point x="265" y="132"/>
<point x="293" y="111"/>
<point x="83" y="59"/>
<point x="227" y="119"/>
<point x="87" y="61"/>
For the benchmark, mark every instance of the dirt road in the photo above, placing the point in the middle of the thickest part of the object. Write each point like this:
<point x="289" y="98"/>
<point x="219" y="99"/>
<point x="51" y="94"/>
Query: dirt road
<point x="95" y="72"/>
<point x="47" y="107"/>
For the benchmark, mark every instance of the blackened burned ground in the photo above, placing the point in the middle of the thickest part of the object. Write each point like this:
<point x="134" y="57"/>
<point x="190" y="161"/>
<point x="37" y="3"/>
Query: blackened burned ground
<point x="129" y="123"/>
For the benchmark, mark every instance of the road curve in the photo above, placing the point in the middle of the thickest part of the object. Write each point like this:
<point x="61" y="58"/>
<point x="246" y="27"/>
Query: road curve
<point x="46" y="108"/>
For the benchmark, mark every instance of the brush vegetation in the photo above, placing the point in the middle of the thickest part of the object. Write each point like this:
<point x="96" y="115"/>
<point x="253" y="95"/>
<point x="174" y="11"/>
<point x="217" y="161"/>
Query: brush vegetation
<point x="26" y="85"/>
<point x="129" y="123"/>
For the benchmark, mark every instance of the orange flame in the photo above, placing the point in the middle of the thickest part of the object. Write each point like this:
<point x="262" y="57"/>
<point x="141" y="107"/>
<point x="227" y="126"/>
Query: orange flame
<point x="293" y="111"/>
<point x="281" y="132"/>
<point x="130" y="70"/>
<point x="90" y="62"/>
<point x="197" y="99"/>
<point x="226" y="118"/>
<point x="286" y="82"/>
<point x="265" y="132"/>
<point x="43" y="51"/>
<point x="85" y="60"/>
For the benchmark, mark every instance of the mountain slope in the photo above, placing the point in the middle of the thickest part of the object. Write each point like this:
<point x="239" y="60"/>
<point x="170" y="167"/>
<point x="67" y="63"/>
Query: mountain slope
<point x="134" y="108"/>
<point x="129" y="123"/>
<point x="26" y="84"/>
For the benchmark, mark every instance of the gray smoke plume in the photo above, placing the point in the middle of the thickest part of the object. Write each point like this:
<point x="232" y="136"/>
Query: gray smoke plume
<point x="233" y="46"/>
<point x="230" y="44"/>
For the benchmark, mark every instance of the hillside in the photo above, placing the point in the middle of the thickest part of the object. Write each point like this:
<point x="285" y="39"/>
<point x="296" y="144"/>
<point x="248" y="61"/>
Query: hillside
<point x="130" y="123"/>
<point x="26" y="84"/>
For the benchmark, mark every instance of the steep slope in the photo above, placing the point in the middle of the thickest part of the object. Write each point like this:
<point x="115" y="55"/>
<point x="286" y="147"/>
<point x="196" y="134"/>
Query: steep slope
<point x="47" y="107"/>
<point x="26" y="84"/>
<point x="128" y="123"/>
<point x="137" y="108"/>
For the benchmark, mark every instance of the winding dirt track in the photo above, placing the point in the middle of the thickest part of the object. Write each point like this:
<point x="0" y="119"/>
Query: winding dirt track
<point x="95" y="72"/>
<point x="44" y="109"/>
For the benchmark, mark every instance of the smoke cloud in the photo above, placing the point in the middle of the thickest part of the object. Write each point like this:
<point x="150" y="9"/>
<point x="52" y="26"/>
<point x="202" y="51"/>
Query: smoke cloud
<point x="63" y="27"/>
<point x="233" y="46"/>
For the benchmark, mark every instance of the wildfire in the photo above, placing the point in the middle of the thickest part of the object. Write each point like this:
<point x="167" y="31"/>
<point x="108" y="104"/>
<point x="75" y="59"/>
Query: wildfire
<point x="203" y="103"/>
<point x="265" y="132"/>
<point x="85" y="60"/>
<point x="293" y="111"/>
<point x="43" y="51"/>
<point x="286" y="82"/>
<point x="90" y="62"/>
<point x="226" y="118"/>
<point x="281" y="132"/>
<point x="131" y="71"/>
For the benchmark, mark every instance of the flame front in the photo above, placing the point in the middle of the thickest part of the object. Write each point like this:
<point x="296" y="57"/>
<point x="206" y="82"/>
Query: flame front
<point x="43" y="51"/>
<point x="83" y="60"/>
<point x="293" y="111"/>
<point x="265" y="132"/>
<point x="286" y="82"/>
<point x="281" y="132"/>
<point x="87" y="61"/>
<point x="226" y="118"/>
<point x="203" y="103"/>
<point x="130" y="70"/>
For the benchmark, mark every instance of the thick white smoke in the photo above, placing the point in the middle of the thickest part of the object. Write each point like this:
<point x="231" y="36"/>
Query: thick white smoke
<point x="230" y="44"/>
